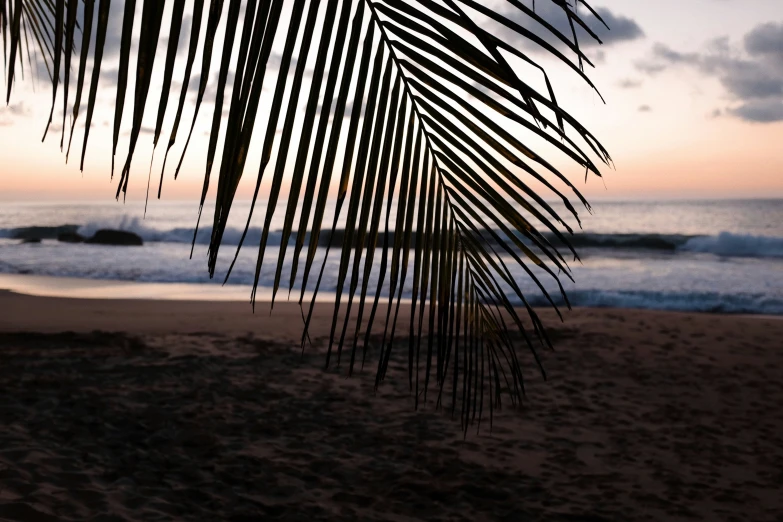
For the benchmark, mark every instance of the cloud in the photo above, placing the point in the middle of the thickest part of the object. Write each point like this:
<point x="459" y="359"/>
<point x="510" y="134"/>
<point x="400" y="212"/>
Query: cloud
<point x="18" y="109"/>
<point x="765" y="40"/>
<point x="275" y="60"/>
<point x="760" y="111"/>
<point x="142" y="130"/>
<point x="110" y="76"/>
<point x="56" y="127"/>
<point x="596" y="56"/>
<point x="751" y="74"/>
<point x="184" y="35"/>
<point x="621" y="28"/>
<point x="111" y="48"/>
<point x="9" y="115"/>
<point x="193" y="85"/>
<point x="347" y="112"/>
<point x="749" y="80"/>
<point x="273" y="65"/>
<point x="630" y="84"/>
<point x="211" y="89"/>
<point x="650" y="68"/>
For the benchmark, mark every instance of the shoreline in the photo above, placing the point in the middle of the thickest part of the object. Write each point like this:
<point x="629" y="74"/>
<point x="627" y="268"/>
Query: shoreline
<point x="139" y="313"/>
<point x="83" y="288"/>
<point x="107" y="289"/>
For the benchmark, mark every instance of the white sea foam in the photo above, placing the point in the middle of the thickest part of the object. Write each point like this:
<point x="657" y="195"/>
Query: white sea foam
<point x="674" y="257"/>
<point x="712" y="302"/>
<point x="736" y="245"/>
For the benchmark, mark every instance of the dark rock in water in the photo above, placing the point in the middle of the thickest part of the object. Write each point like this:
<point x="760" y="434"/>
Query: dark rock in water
<point x="31" y="240"/>
<point x="115" y="237"/>
<point x="70" y="237"/>
<point x="43" y="232"/>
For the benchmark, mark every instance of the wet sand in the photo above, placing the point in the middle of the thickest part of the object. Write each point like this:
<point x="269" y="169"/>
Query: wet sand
<point x="169" y="410"/>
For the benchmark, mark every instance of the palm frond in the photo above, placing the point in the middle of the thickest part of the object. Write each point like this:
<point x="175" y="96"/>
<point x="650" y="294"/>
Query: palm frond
<point x="416" y="111"/>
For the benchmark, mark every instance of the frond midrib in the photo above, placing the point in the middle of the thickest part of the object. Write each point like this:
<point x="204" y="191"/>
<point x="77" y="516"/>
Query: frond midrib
<point x="414" y="104"/>
<point x="471" y="275"/>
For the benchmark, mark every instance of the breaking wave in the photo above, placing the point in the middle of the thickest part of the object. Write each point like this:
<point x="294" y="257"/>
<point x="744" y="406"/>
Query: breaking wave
<point x="725" y="244"/>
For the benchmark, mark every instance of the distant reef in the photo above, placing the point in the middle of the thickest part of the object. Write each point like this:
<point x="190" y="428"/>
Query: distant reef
<point x="70" y="234"/>
<point x="70" y="237"/>
<point x="27" y="233"/>
<point x="107" y="236"/>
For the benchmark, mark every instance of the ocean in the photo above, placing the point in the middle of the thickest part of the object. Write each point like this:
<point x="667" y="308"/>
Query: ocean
<point x="710" y="256"/>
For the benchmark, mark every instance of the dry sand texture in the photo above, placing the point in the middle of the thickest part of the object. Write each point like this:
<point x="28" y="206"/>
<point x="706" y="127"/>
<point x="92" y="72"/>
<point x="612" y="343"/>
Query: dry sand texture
<point x="162" y="411"/>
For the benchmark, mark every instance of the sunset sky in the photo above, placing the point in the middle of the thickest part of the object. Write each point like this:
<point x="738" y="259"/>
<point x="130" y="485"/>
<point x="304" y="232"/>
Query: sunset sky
<point x="694" y="109"/>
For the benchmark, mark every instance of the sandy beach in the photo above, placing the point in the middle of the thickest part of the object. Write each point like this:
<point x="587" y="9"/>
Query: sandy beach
<point x="185" y="410"/>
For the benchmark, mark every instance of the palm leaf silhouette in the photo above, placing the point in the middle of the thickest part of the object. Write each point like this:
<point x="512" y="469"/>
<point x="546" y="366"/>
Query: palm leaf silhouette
<point x="414" y="109"/>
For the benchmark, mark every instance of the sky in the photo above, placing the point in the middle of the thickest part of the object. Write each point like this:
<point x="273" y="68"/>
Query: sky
<point x="693" y="109"/>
